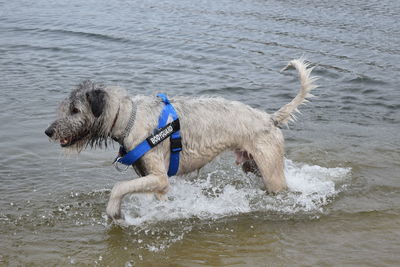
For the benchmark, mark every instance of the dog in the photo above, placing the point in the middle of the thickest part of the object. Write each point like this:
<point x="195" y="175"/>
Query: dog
<point x="94" y="113"/>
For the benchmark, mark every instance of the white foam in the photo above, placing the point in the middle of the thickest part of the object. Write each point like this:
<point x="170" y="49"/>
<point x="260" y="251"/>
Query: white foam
<point x="224" y="192"/>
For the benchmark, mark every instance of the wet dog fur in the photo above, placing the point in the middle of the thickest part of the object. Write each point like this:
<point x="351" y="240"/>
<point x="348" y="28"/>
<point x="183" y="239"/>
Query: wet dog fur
<point x="94" y="113"/>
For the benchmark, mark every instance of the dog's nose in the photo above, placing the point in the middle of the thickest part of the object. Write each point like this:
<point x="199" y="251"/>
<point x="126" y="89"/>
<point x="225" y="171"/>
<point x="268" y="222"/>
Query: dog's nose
<point x="49" y="132"/>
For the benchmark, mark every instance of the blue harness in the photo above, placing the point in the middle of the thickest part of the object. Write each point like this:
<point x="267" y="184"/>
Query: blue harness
<point x="162" y="132"/>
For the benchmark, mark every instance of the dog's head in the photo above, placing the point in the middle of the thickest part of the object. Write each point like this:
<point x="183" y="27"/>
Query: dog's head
<point x="85" y="117"/>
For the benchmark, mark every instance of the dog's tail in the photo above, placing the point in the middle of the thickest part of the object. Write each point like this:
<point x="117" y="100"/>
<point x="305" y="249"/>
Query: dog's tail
<point x="285" y="114"/>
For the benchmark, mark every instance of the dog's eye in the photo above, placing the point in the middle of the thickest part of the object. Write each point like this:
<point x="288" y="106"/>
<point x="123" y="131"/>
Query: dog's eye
<point x="75" y="111"/>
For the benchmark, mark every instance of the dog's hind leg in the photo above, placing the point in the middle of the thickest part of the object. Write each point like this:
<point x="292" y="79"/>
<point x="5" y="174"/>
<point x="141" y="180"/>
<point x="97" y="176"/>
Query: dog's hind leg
<point x="268" y="156"/>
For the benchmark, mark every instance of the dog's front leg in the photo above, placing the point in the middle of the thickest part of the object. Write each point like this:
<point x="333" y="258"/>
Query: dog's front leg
<point x="152" y="183"/>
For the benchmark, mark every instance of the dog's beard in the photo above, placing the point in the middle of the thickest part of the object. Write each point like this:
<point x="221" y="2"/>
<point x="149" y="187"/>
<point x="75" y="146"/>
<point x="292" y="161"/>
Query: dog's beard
<point x="98" y="141"/>
<point x="77" y="145"/>
<point x="74" y="145"/>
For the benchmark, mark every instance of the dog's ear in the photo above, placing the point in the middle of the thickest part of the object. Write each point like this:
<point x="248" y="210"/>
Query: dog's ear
<point x="97" y="101"/>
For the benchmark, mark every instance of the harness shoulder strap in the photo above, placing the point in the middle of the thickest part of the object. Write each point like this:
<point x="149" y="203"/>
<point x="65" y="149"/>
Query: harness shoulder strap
<point x="175" y="139"/>
<point x="163" y="131"/>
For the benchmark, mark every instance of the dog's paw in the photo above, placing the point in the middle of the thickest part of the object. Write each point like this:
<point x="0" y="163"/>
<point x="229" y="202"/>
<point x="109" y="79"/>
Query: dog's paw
<point x="118" y="220"/>
<point x="121" y="222"/>
<point x="114" y="210"/>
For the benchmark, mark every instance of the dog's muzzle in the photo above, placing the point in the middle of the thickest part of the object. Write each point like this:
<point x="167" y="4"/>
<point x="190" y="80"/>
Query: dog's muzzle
<point x="49" y="131"/>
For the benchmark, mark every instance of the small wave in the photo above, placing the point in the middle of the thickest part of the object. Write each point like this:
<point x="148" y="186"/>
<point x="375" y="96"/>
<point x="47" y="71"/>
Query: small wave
<point x="225" y="90"/>
<point x="92" y="35"/>
<point x="362" y="79"/>
<point x="219" y="195"/>
<point x="29" y="47"/>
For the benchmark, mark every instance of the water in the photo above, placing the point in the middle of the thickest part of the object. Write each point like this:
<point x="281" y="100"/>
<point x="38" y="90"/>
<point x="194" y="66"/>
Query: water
<point x="342" y="155"/>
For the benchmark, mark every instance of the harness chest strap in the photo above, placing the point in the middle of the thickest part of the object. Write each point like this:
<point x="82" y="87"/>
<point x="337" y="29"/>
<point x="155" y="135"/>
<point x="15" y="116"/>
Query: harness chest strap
<point x="162" y="132"/>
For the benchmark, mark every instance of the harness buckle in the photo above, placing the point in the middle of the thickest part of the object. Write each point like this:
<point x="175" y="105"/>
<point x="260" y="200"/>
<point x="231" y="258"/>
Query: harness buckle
<point x="117" y="165"/>
<point x="176" y="144"/>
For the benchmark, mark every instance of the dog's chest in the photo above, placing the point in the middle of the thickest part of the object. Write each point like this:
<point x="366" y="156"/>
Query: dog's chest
<point x="140" y="168"/>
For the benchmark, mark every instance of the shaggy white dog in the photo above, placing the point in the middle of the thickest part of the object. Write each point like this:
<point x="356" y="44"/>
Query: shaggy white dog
<point x="93" y="113"/>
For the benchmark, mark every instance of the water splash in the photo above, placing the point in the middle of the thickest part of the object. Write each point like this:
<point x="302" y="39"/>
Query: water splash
<point x="227" y="192"/>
